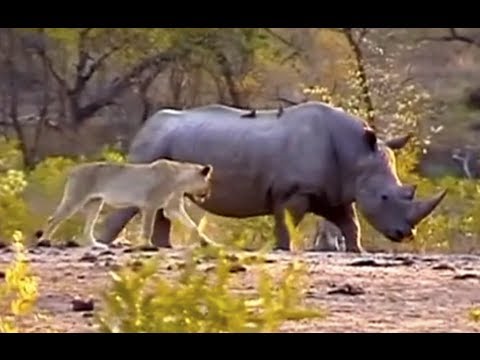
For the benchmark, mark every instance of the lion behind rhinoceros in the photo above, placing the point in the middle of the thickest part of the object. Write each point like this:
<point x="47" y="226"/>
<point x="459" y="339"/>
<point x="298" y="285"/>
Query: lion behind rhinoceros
<point x="312" y="158"/>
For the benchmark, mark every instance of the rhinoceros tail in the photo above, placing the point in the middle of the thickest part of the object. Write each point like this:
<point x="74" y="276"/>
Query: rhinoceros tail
<point x="280" y="111"/>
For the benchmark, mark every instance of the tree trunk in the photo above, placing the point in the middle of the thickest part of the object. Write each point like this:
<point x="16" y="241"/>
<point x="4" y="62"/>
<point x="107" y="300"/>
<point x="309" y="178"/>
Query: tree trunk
<point x="357" y="52"/>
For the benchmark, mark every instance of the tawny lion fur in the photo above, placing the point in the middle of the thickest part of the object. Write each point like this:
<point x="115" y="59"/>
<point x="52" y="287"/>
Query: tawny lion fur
<point x="161" y="184"/>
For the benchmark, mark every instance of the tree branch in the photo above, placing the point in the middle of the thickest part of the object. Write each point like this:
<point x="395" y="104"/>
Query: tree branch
<point x="156" y="63"/>
<point x="281" y="39"/>
<point x="88" y="70"/>
<point x="453" y="36"/>
<point x="42" y="53"/>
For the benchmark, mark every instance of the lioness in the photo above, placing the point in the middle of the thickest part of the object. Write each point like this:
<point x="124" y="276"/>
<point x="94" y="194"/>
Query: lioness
<point x="161" y="184"/>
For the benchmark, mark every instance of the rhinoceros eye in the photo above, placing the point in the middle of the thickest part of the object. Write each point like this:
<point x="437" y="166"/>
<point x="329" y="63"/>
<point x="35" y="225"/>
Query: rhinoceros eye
<point x="384" y="197"/>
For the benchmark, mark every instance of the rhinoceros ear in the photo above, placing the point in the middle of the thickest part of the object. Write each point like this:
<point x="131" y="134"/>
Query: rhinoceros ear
<point x="399" y="142"/>
<point x="371" y="138"/>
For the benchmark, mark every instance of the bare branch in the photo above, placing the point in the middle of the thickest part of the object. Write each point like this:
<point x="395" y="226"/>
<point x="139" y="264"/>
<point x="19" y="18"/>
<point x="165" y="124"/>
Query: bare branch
<point x="89" y="68"/>
<point x="453" y="36"/>
<point x="465" y="161"/>
<point x="408" y="75"/>
<point x="362" y="33"/>
<point x="281" y="39"/>
<point x="156" y="63"/>
<point x="42" y="53"/>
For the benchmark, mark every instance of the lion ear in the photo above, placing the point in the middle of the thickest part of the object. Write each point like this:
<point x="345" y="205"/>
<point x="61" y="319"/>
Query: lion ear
<point x="206" y="170"/>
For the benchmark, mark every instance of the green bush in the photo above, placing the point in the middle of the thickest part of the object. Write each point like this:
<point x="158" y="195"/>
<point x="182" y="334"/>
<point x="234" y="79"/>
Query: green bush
<point x="28" y="198"/>
<point x="19" y="292"/>
<point x="142" y="300"/>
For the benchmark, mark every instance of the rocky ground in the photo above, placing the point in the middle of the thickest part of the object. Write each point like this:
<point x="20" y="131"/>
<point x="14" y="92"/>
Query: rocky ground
<point x="368" y="293"/>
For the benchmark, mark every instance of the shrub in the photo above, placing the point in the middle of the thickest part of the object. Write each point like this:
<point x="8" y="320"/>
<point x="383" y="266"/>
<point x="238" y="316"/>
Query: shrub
<point x="19" y="292"/>
<point x="141" y="300"/>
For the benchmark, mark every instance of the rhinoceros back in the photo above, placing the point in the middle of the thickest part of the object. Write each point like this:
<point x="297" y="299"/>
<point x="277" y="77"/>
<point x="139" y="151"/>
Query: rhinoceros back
<point x="252" y="157"/>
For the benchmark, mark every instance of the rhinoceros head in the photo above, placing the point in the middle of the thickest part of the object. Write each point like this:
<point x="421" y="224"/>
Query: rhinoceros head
<point x="387" y="204"/>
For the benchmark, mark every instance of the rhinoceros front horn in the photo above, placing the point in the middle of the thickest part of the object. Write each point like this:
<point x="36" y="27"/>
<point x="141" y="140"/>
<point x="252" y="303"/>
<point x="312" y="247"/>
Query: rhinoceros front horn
<point x="422" y="208"/>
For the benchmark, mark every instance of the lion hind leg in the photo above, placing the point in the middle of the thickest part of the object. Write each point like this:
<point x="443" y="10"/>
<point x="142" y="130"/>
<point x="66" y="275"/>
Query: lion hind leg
<point x="71" y="202"/>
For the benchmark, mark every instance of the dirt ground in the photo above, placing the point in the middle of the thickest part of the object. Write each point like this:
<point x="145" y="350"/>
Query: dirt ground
<point x="361" y="293"/>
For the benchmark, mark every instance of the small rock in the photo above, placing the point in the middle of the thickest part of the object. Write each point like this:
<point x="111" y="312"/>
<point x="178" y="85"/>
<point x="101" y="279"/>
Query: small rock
<point x="106" y="252"/>
<point x="210" y="268"/>
<point x="364" y="262"/>
<point x="108" y="263"/>
<point x="88" y="257"/>
<point x="136" y="264"/>
<point x="375" y="263"/>
<point x="81" y="276"/>
<point x="115" y="267"/>
<point x="235" y="268"/>
<point x="347" y="289"/>
<point x="443" y="266"/>
<point x="82" y="305"/>
<point x="233" y="257"/>
<point x="148" y="248"/>
<point x="2" y="275"/>
<point x="72" y="244"/>
<point x="407" y="262"/>
<point x="87" y="315"/>
<point x="466" y="276"/>
<point x="3" y="245"/>
<point x="44" y="243"/>
<point x="7" y="249"/>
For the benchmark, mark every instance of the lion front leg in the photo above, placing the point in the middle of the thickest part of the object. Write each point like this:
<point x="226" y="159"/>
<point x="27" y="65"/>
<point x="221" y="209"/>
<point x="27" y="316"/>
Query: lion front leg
<point x="92" y="210"/>
<point x="175" y="209"/>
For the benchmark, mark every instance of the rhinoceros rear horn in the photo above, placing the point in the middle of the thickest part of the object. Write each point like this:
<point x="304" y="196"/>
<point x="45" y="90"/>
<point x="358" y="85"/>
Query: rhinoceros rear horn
<point x="422" y="208"/>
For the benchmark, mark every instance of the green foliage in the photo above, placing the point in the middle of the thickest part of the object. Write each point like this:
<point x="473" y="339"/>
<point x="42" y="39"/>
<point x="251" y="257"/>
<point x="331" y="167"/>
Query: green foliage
<point x="142" y="300"/>
<point x="13" y="210"/>
<point x="45" y="190"/>
<point x="474" y="314"/>
<point x="19" y="292"/>
<point x="110" y="154"/>
<point x="49" y="176"/>
<point x="458" y="216"/>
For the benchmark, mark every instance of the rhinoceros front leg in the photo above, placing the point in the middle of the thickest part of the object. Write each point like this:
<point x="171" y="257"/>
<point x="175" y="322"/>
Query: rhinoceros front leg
<point x="297" y="206"/>
<point x="346" y="220"/>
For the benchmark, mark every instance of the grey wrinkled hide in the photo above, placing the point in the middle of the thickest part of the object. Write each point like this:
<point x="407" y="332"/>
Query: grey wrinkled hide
<point x="311" y="158"/>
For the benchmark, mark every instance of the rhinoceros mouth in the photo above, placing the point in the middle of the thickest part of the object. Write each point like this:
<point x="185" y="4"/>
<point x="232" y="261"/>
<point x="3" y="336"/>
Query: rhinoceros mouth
<point x="401" y="237"/>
